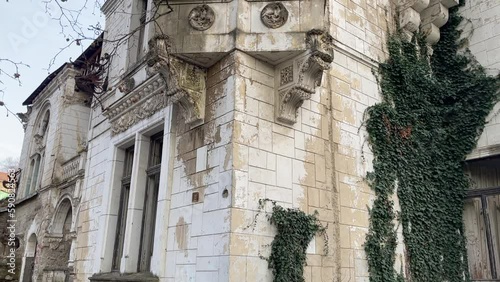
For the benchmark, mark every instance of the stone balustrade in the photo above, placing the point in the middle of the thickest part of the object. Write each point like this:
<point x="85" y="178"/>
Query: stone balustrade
<point x="70" y="168"/>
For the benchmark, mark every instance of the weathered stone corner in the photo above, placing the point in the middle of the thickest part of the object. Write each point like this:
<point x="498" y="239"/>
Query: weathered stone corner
<point x="185" y="82"/>
<point x="298" y="78"/>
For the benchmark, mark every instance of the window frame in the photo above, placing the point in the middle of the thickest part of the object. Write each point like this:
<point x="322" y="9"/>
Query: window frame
<point x="121" y="227"/>
<point x="150" y="209"/>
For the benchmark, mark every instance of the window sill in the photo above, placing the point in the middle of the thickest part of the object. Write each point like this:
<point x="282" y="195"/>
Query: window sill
<point x="129" y="277"/>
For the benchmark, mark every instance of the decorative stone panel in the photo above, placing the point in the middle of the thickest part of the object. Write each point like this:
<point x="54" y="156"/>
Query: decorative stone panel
<point x="300" y="76"/>
<point x="430" y="15"/>
<point x="139" y="104"/>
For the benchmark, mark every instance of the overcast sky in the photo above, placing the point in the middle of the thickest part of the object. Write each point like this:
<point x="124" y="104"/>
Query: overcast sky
<point x="28" y="34"/>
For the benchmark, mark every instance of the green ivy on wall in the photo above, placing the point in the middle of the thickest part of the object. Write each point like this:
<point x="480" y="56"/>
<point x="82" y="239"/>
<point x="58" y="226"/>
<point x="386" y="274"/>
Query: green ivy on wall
<point x="432" y="112"/>
<point x="295" y="230"/>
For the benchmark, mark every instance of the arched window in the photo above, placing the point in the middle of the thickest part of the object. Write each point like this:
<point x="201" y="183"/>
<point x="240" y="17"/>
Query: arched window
<point x="32" y="182"/>
<point x="30" y="174"/>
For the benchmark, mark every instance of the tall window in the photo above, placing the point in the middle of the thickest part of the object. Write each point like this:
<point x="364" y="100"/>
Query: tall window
<point x="138" y="25"/>
<point x="30" y="175"/>
<point x="122" y="212"/>
<point x="32" y="181"/>
<point x="143" y="8"/>
<point x="150" y="202"/>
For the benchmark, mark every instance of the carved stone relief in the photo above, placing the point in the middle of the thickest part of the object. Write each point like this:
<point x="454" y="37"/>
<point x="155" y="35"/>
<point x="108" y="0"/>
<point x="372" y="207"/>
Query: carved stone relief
<point x="173" y="81"/>
<point x="127" y="85"/>
<point x="286" y="75"/>
<point x="309" y="68"/>
<point x="39" y="142"/>
<point x="201" y="17"/>
<point x="185" y="82"/>
<point x="274" y="15"/>
<point x="140" y="104"/>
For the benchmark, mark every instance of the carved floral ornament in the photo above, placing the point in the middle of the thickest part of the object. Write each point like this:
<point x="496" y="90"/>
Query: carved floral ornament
<point x="172" y="81"/>
<point x="299" y="77"/>
<point x="201" y="17"/>
<point x="274" y="15"/>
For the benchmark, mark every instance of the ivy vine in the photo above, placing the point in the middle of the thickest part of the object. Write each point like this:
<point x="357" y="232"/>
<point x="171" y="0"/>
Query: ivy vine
<point x="295" y="231"/>
<point x="432" y="112"/>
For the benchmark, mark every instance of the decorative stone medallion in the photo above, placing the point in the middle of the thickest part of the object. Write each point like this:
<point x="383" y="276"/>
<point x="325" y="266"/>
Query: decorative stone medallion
<point x="274" y="15"/>
<point x="201" y="17"/>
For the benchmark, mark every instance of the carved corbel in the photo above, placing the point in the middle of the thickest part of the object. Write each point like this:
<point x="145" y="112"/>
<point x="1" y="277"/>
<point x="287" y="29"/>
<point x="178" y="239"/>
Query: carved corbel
<point x="185" y="83"/>
<point x="298" y="78"/>
<point x="429" y="15"/>
<point x="24" y="117"/>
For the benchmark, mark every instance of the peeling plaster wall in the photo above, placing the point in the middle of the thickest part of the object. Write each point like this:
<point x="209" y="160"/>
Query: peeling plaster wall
<point x="484" y="42"/>
<point x="291" y="165"/>
<point x="197" y="236"/>
<point x="361" y="27"/>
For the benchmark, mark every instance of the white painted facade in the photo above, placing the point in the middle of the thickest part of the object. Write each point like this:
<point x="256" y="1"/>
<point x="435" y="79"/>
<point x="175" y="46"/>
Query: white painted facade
<point x="230" y="137"/>
<point x="236" y="146"/>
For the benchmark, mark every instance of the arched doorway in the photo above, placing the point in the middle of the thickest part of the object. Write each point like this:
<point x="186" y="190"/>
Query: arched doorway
<point x="57" y="256"/>
<point x="29" y="258"/>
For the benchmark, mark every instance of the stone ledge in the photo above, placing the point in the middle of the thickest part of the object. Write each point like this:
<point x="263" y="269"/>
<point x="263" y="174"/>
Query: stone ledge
<point x="129" y="277"/>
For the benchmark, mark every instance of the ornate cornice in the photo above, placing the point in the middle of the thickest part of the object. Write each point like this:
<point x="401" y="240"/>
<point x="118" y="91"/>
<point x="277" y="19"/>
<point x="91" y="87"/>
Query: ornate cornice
<point x="185" y="82"/>
<point x="299" y="77"/>
<point x="171" y="81"/>
<point x="139" y="104"/>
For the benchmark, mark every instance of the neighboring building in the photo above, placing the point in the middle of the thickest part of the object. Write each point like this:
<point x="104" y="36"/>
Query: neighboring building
<point x="4" y="191"/>
<point x="205" y="112"/>
<point x="52" y="161"/>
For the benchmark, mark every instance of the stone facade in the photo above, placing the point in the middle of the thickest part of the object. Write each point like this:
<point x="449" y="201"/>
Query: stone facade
<point x="52" y="161"/>
<point x="216" y="106"/>
<point x="283" y="103"/>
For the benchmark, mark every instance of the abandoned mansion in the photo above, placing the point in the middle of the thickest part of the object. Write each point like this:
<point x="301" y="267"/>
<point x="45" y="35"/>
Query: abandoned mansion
<point x="159" y="154"/>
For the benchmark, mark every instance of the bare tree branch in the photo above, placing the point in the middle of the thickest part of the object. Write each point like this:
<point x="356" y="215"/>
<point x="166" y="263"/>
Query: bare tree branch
<point x="12" y="75"/>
